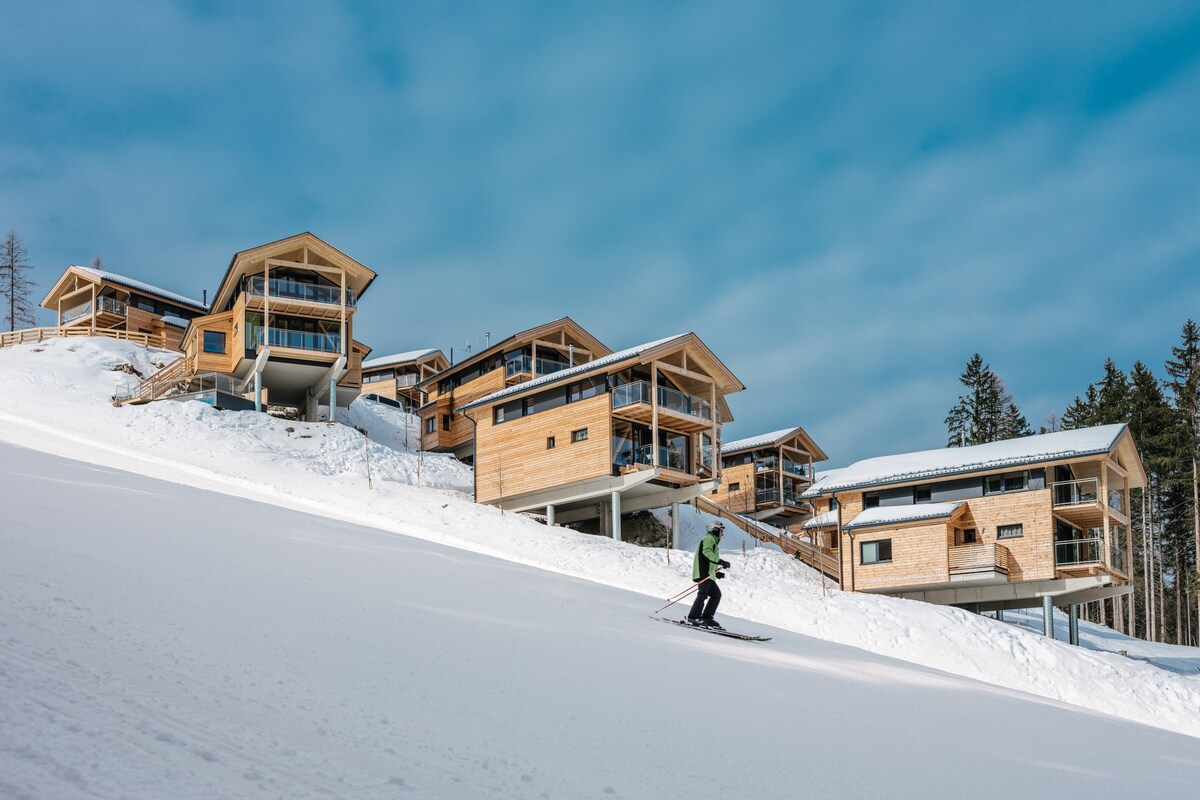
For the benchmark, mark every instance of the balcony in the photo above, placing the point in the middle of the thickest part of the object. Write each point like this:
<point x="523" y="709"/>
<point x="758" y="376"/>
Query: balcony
<point x="668" y="458"/>
<point x="981" y="563"/>
<point x="1073" y="553"/>
<point x="407" y="381"/>
<point x="284" y="289"/>
<point x="792" y="468"/>
<point x="684" y="410"/>
<point x="766" y="464"/>
<point x="304" y="340"/>
<point x="525" y="365"/>
<point x="766" y="495"/>
<point x="104" y="305"/>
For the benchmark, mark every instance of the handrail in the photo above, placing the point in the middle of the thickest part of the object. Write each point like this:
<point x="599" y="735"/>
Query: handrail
<point x="668" y="399"/>
<point x="104" y="305"/>
<point x="287" y="289"/>
<point x="1070" y="552"/>
<point x="980" y="555"/>
<point x="1073" y="493"/>
<point x="807" y="552"/>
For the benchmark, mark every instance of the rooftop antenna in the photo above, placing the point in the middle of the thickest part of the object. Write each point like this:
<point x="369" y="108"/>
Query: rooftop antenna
<point x="204" y="296"/>
<point x="468" y="347"/>
<point x="487" y="338"/>
<point x="452" y="356"/>
<point x="570" y="355"/>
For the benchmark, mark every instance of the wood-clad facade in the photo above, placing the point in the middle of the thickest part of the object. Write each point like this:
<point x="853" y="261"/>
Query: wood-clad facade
<point x="399" y="377"/>
<point x="523" y="357"/>
<point x="636" y="429"/>
<point x="994" y="538"/>
<point x="765" y="477"/>
<point x="281" y="327"/>
<point x="98" y="300"/>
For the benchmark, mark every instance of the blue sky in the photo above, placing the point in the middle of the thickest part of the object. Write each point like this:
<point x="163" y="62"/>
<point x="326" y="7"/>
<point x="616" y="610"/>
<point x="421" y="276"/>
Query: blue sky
<point x="845" y="202"/>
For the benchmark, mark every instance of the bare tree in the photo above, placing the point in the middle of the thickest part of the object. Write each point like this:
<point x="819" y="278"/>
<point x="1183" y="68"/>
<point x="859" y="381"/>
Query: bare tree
<point x="16" y="287"/>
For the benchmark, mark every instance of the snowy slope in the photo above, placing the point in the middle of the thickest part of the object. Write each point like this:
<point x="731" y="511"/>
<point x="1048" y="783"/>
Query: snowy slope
<point x="158" y="641"/>
<point x="52" y="398"/>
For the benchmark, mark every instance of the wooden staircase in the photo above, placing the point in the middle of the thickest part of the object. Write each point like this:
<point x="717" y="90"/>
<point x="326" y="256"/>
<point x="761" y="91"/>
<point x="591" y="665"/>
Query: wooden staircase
<point x="174" y="376"/>
<point x="811" y="555"/>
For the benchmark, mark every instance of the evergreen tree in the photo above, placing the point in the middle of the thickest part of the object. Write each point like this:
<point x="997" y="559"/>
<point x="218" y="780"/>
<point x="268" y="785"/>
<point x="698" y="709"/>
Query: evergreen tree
<point x="1112" y="396"/>
<point x="985" y="412"/>
<point x="1184" y="370"/>
<point x="16" y="287"/>
<point x="1011" y="423"/>
<point x="1082" y="412"/>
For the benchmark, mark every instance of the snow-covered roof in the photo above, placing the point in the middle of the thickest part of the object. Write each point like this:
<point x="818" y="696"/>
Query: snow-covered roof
<point x="755" y="442"/>
<point x="947" y="461"/>
<point x="582" y="369"/>
<point x="142" y="286"/>
<point x="171" y="319"/>
<point x="895" y="515"/>
<point x="822" y="520"/>
<point x="398" y="358"/>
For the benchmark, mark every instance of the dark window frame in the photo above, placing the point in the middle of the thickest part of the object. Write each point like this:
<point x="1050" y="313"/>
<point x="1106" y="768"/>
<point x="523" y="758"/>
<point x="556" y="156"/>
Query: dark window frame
<point x="870" y="500"/>
<point x="209" y="348"/>
<point x="1020" y="534"/>
<point x="923" y="493"/>
<point x="447" y="421"/>
<point x="862" y="552"/>
<point x="579" y="435"/>
<point x="549" y="442"/>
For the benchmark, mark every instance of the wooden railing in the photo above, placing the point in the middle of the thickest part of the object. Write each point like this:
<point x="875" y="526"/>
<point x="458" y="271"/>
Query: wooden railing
<point x="979" y="557"/>
<point x="172" y="376"/>
<point x="34" y="335"/>
<point x="807" y="552"/>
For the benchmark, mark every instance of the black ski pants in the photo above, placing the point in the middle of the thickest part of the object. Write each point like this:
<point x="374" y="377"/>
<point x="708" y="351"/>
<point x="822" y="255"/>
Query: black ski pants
<point x="708" y="597"/>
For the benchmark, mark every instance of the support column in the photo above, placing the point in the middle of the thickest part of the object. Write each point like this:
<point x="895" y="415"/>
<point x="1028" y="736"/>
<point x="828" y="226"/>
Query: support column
<point x="675" y="525"/>
<point x="549" y="516"/>
<point x="1073" y="624"/>
<point x="616" y="516"/>
<point x="332" y="399"/>
<point x="1048" y="616"/>
<point x="258" y="391"/>
<point x="1000" y="615"/>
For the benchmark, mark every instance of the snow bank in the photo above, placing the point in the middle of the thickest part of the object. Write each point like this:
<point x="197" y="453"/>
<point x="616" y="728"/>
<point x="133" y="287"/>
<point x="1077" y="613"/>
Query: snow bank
<point x="53" y="398"/>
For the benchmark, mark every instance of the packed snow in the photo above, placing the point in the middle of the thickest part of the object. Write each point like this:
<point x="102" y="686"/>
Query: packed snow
<point x="160" y="641"/>
<point x="54" y="397"/>
<point x="952" y="460"/>
<point x="148" y="288"/>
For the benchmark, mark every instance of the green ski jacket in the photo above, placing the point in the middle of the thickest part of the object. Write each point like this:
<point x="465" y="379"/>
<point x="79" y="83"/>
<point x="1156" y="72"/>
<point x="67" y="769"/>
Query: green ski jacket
<point x="707" y="555"/>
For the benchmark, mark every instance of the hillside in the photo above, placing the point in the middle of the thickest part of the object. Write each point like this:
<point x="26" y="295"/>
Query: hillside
<point x="53" y="399"/>
<point x="163" y="641"/>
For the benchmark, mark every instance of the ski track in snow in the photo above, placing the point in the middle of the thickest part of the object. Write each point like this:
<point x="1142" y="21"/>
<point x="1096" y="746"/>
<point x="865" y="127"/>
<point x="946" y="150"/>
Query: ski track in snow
<point x="53" y="398"/>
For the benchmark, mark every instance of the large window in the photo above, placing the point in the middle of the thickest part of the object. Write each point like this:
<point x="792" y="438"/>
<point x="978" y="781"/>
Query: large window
<point x="214" y="342"/>
<point x="877" y="552"/>
<point x="1012" y="482"/>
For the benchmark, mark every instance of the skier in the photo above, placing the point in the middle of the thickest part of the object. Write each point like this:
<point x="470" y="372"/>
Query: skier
<point x="705" y="570"/>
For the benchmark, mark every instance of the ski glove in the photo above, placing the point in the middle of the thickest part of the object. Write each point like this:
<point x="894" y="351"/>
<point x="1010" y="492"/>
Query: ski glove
<point x="723" y="563"/>
<point x="720" y="575"/>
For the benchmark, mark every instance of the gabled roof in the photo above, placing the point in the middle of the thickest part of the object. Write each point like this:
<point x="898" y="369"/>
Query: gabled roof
<point x="129" y="283"/>
<point x="361" y="274"/>
<point x="642" y="353"/>
<point x="822" y="520"/>
<point x="899" y="515"/>
<point x="400" y="358"/>
<point x="773" y="439"/>
<point x="947" y="461"/>
<point x="597" y="347"/>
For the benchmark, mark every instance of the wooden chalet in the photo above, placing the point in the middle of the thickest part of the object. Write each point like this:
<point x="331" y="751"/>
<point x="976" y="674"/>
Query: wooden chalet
<point x="625" y="432"/>
<point x="87" y="298"/>
<point x="397" y="377"/>
<point x="765" y="476"/>
<point x="1040" y="520"/>
<point x="280" y="332"/>
<point x="526" y="356"/>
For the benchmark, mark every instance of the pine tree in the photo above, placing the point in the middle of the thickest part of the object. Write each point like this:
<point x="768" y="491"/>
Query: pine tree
<point x="986" y="411"/>
<point x="16" y="287"/>
<point x="1112" y="396"/>
<point x="1011" y="423"/>
<point x="98" y="262"/>
<point x="1082" y="412"/>
<point x="1184" y="370"/>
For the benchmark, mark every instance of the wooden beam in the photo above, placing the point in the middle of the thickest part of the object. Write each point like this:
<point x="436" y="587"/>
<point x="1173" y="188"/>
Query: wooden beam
<point x="687" y="373"/>
<point x="563" y="347"/>
<point x="279" y="262"/>
<point x="1117" y="468"/>
<point x="654" y="413"/>
<point x="345" y="349"/>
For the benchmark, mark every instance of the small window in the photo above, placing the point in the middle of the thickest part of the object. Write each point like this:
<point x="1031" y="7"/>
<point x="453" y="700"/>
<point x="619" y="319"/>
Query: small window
<point x="214" y="342"/>
<point x="1014" y="483"/>
<point x="833" y="504"/>
<point x="579" y="435"/>
<point x="999" y="484"/>
<point x="969" y="536"/>
<point x="446" y="420"/>
<point x="549" y="442"/>
<point x="431" y="425"/>
<point x="871" y="500"/>
<point x="733" y="487"/>
<point x="879" y="552"/>
<point x="1010" y="531"/>
<point x="922" y="494"/>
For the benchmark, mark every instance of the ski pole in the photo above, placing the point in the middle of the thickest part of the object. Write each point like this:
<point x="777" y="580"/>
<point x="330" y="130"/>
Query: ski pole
<point x="684" y="594"/>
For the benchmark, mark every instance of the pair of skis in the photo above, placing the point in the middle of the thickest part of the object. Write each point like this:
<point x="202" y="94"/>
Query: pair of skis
<point x="716" y="631"/>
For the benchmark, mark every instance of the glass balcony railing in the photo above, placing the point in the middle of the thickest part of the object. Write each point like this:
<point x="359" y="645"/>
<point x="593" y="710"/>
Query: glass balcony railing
<point x="295" y="290"/>
<point x="1076" y="493"/>
<point x="523" y="363"/>
<point x="670" y="399"/>
<point x="793" y="468"/>
<point x="104" y="305"/>
<point x="668" y="457"/>
<point x="765" y="464"/>
<point x="304" y="340"/>
<point x="766" y="495"/>
<point x="1074" y="552"/>
<point x="1116" y="500"/>
<point x="407" y="381"/>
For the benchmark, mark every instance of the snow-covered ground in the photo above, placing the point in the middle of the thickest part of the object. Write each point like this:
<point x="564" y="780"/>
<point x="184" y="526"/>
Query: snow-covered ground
<point x="52" y="398"/>
<point x="1184" y="660"/>
<point x="160" y="641"/>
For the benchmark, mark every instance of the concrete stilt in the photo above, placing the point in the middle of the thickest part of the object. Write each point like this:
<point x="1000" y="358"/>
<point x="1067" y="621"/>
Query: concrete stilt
<point x="549" y="516"/>
<point x="258" y="391"/>
<point x="674" y="525"/>
<point x="616" y="515"/>
<point x="1000" y="615"/>
<point x="332" y="399"/>
<point x="1073" y="623"/>
<point x="1048" y="616"/>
